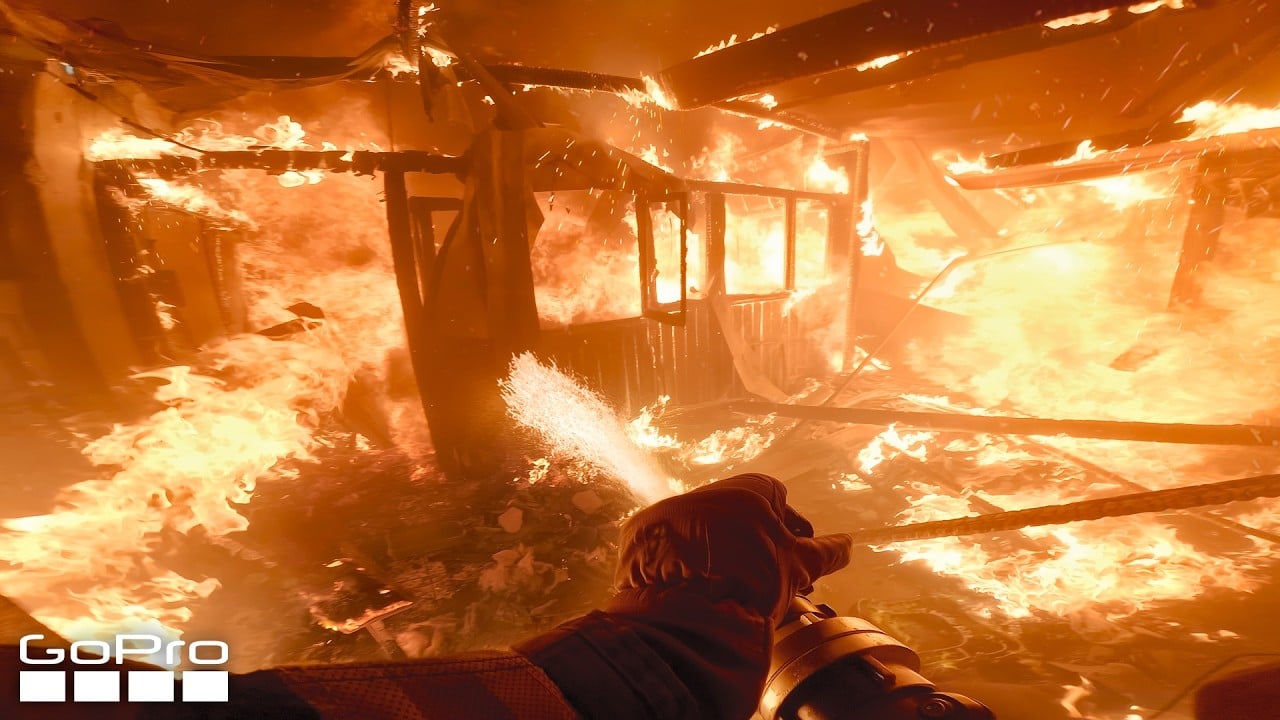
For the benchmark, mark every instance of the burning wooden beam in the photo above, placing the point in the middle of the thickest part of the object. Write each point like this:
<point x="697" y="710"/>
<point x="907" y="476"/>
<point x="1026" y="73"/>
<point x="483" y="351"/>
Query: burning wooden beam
<point x="1181" y="498"/>
<point x="364" y="162"/>
<point x="1244" y="146"/>
<point x="1181" y="433"/>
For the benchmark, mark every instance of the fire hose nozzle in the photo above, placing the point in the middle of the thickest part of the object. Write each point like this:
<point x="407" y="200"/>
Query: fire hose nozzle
<point x="831" y="667"/>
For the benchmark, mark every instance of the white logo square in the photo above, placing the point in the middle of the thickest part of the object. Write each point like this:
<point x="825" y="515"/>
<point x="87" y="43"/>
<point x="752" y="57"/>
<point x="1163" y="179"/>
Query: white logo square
<point x="204" y="686"/>
<point x="96" y="685"/>
<point x="150" y="686"/>
<point x="42" y="686"/>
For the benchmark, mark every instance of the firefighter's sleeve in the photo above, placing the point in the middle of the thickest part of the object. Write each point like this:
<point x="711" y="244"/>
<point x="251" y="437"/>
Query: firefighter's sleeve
<point x="703" y="579"/>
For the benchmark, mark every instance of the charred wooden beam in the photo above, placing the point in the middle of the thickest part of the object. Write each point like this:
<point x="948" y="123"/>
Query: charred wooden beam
<point x="853" y="36"/>
<point x="959" y="214"/>
<point x="934" y="61"/>
<point x="856" y="161"/>
<point x="1182" y="498"/>
<point x="1200" y="240"/>
<point x="1237" y="147"/>
<point x="1110" y="142"/>
<point x="734" y="188"/>
<point x="1180" y="433"/>
<point x="405" y="261"/>
<point x="789" y="263"/>
<point x="361" y="162"/>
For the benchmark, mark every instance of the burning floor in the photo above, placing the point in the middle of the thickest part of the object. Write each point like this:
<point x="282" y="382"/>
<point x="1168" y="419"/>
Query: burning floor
<point x="364" y="553"/>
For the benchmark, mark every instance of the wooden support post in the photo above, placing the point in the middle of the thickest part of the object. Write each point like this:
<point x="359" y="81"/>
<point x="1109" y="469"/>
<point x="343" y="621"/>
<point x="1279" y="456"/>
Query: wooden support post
<point x="856" y="162"/>
<point x="1200" y="241"/>
<point x="789" y="280"/>
<point x="716" y="225"/>
<point x="648" y="262"/>
<point x="406" y="268"/>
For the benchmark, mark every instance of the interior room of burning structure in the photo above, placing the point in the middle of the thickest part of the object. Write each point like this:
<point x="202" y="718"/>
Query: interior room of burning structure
<point x="351" y="332"/>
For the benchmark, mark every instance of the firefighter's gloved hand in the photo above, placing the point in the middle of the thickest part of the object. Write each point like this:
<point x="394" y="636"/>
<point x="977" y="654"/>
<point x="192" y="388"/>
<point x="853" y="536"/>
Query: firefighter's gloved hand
<point x="735" y="540"/>
<point x="703" y="579"/>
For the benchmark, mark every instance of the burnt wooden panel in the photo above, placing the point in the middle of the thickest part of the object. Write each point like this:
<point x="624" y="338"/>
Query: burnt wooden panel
<point x="635" y="360"/>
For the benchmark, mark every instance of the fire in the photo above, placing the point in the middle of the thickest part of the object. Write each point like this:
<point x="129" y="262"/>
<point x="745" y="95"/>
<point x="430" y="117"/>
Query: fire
<point x="1091" y="18"/>
<point x="1117" y="566"/>
<point x="1143" y="8"/>
<point x="821" y="176"/>
<point x="564" y="293"/>
<point x="890" y="443"/>
<point x="230" y="417"/>
<point x="283" y="134"/>
<point x="872" y="245"/>
<point x="1074" y="694"/>
<point x="1084" y="151"/>
<point x="1079" y="327"/>
<point x="656" y="94"/>
<point x="1088" y="18"/>
<point x="207" y="135"/>
<point x="962" y="166"/>
<point x="579" y="277"/>
<point x="397" y="64"/>
<point x="733" y="40"/>
<point x="439" y="58"/>
<point x="185" y="467"/>
<point x="1211" y="118"/>
<point x="1125" y="191"/>
<point x="727" y="447"/>
<point x="882" y="61"/>
<point x="191" y="198"/>
<point x="1056" y="363"/>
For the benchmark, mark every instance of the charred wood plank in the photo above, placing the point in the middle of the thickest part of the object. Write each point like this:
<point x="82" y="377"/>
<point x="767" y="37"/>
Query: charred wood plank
<point x="406" y="263"/>
<point x="853" y="36"/>
<point x="1200" y="240"/>
<point x="1233" y="148"/>
<point x="363" y="162"/>
<point x="1180" y="433"/>
<point x="1181" y="498"/>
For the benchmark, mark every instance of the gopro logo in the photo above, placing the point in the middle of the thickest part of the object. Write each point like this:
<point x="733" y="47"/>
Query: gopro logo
<point x="97" y="684"/>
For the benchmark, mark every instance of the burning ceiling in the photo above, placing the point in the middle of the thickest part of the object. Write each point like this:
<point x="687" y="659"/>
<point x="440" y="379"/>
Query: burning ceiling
<point x="463" y="298"/>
